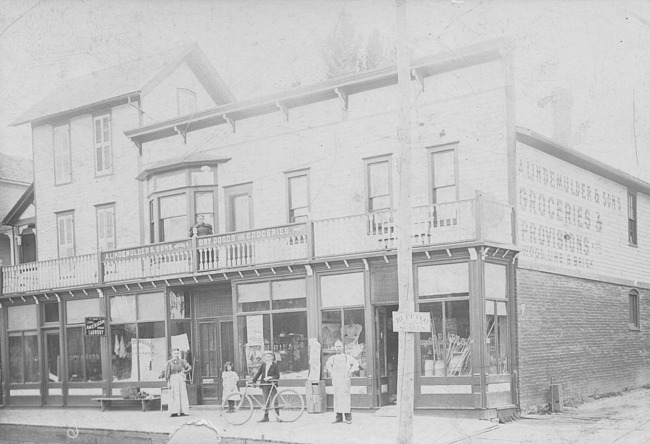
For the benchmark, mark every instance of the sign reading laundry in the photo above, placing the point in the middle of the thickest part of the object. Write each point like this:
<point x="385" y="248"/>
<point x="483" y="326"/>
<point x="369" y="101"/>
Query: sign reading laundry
<point x="95" y="326"/>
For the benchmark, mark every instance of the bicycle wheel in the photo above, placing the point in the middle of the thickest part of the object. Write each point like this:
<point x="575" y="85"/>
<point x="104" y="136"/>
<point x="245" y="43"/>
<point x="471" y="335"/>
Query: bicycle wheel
<point x="240" y="411"/>
<point x="290" y="403"/>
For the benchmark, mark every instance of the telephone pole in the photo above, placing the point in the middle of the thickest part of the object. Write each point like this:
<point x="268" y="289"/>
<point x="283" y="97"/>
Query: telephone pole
<point x="406" y="352"/>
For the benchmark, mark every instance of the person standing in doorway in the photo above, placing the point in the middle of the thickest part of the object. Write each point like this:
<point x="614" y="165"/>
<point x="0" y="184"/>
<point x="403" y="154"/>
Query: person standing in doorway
<point x="200" y="228"/>
<point x="341" y="366"/>
<point x="230" y="380"/>
<point x="269" y="372"/>
<point x="175" y="376"/>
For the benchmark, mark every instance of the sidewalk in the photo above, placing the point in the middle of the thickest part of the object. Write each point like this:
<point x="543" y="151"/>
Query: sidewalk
<point x="621" y="420"/>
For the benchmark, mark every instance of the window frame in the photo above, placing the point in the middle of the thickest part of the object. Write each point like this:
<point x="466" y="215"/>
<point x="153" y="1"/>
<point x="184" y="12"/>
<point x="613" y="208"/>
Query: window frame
<point x="288" y="178"/>
<point x="60" y="216"/>
<point x="186" y="92"/>
<point x="632" y="217"/>
<point x="634" y="305"/>
<point x="374" y="160"/>
<point x="103" y="145"/>
<point x="103" y="208"/>
<point x="431" y="153"/>
<point x="58" y="182"/>
<point x="229" y="193"/>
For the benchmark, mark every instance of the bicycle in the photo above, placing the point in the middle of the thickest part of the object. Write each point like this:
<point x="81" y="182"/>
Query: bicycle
<point x="289" y="402"/>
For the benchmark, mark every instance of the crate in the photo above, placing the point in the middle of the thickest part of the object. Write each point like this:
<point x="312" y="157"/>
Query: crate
<point x="316" y="398"/>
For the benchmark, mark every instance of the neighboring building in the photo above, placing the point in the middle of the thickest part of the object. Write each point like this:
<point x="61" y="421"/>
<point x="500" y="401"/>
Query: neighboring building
<point x="15" y="177"/>
<point x="298" y="188"/>
<point x="22" y="220"/>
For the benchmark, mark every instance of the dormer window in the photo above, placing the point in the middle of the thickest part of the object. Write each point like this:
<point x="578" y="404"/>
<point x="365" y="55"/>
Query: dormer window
<point x="186" y="101"/>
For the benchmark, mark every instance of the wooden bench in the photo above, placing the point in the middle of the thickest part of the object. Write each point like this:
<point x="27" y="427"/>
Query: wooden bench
<point x="145" y="402"/>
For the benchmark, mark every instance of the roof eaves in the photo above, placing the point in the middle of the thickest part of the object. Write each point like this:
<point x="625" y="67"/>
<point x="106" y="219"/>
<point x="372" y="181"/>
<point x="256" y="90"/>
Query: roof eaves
<point x="352" y="83"/>
<point x="555" y="149"/>
<point x="178" y="164"/>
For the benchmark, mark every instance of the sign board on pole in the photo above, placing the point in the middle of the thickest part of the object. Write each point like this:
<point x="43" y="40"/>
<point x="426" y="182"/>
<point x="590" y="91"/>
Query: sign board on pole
<point x="95" y="326"/>
<point x="413" y="322"/>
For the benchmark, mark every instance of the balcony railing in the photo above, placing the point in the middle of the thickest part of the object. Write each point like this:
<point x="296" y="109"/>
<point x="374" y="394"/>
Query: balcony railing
<point x="474" y="220"/>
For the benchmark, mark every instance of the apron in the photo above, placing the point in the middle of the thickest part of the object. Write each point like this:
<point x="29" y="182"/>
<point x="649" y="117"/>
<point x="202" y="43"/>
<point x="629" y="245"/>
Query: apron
<point x="341" y="382"/>
<point x="179" y="402"/>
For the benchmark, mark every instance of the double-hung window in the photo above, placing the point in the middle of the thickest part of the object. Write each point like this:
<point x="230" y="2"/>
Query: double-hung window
<point x="298" y="196"/>
<point x="103" y="163"/>
<point x="442" y="161"/>
<point x="631" y="218"/>
<point x="106" y="227"/>
<point x="65" y="234"/>
<point x="62" y="163"/>
<point x="378" y="184"/>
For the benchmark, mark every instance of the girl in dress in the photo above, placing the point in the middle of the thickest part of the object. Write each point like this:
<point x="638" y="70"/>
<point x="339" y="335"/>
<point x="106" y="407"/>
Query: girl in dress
<point x="229" y="378"/>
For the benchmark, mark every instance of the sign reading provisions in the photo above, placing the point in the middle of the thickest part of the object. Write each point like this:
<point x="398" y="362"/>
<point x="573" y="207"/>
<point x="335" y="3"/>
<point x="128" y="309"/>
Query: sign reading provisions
<point x="414" y="322"/>
<point x="95" y="326"/>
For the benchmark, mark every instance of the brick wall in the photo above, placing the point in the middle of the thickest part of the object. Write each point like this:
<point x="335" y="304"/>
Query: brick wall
<point x="576" y="333"/>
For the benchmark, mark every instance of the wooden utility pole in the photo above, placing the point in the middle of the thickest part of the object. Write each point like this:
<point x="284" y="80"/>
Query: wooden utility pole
<point x="406" y="352"/>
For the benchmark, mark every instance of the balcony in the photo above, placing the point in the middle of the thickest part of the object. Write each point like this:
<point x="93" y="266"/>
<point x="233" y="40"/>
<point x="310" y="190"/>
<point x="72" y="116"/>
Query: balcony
<point x="469" y="221"/>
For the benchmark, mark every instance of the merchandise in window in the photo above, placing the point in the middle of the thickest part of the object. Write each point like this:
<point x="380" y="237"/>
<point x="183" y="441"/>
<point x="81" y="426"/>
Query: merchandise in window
<point x="348" y="326"/>
<point x="282" y="329"/>
<point x="497" y="337"/>
<point x="84" y="356"/>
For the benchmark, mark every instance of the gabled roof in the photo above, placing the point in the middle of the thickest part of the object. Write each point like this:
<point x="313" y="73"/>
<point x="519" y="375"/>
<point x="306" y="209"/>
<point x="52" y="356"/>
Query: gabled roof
<point x="20" y="206"/>
<point x="16" y="169"/>
<point x="555" y="149"/>
<point x="125" y="80"/>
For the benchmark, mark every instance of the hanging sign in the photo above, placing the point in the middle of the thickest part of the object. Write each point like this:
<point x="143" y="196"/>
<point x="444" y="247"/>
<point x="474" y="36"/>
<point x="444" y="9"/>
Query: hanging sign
<point x="95" y="326"/>
<point x="412" y="322"/>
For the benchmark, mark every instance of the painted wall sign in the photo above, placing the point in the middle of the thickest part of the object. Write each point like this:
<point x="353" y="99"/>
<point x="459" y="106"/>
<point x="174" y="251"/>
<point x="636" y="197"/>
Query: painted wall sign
<point x="415" y="322"/>
<point x="571" y="220"/>
<point x="95" y="326"/>
<point x="147" y="250"/>
<point x="269" y="233"/>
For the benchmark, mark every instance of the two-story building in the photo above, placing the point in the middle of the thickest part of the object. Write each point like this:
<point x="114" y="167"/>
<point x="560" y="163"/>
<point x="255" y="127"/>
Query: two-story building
<point x="298" y="187"/>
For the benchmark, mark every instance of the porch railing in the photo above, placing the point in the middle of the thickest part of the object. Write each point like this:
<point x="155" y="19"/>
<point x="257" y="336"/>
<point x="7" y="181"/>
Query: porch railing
<point x="449" y="223"/>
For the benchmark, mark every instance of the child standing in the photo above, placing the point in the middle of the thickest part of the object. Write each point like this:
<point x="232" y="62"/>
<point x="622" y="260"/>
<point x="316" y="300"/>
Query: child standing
<point x="230" y="379"/>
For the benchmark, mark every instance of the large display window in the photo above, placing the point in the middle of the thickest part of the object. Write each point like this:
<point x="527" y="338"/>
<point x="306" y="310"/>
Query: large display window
<point x="343" y="317"/>
<point x="24" y="362"/>
<point x="273" y="317"/>
<point x="443" y="291"/>
<point x="138" y="340"/>
<point x="84" y="352"/>
<point x="497" y="323"/>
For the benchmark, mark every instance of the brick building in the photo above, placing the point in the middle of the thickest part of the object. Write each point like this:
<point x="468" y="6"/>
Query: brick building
<point x="298" y="189"/>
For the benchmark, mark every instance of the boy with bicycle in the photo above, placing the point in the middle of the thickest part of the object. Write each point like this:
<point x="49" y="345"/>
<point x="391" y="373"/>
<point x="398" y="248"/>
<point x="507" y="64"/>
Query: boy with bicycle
<point x="269" y="372"/>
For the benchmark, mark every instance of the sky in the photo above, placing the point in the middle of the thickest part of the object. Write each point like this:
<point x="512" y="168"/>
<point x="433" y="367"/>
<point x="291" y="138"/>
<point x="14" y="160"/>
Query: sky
<point x="596" y="49"/>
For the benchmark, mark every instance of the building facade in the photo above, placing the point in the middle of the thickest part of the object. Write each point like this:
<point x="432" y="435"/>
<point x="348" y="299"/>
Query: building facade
<point x="298" y="190"/>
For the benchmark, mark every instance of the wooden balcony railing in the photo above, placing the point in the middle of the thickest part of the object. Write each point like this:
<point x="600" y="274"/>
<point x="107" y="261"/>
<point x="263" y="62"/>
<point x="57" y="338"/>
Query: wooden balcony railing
<point x="449" y="223"/>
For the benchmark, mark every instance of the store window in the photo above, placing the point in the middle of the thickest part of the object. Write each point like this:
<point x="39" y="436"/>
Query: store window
<point x="275" y="319"/>
<point x="497" y="324"/>
<point x="180" y="329"/>
<point x="443" y="291"/>
<point x="298" y="196"/>
<point x="84" y="351"/>
<point x="443" y="174"/>
<point x="138" y="342"/>
<point x="634" y="309"/>
<point x="342" y="317"/>
<point x="378" y="184"/>
<point x="24" y="363"/>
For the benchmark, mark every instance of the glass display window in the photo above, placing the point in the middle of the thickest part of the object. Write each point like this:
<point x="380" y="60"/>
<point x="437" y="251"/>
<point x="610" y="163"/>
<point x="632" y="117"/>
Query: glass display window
<point x="348" y="326"/>
<point x="24" y="363"/>
<point x="497" y="338"/>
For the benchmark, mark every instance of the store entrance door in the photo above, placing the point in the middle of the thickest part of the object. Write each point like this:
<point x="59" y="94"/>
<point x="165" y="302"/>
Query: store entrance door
<point x="216" y="347"/>
<point x="386" y="343"/>
<point x="53" y="369"/>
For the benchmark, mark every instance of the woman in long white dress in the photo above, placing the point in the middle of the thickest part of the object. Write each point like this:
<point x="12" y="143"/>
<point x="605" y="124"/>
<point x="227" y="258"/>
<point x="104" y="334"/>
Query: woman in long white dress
<point x="175" y="376"/>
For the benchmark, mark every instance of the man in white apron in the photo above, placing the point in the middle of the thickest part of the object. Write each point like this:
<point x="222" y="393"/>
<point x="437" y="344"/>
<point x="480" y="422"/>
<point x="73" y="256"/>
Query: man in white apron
<point x="341" y="366"/>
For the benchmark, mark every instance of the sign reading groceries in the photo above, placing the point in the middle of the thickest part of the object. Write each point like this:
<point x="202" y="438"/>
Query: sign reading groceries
<point x="412" y="322"/>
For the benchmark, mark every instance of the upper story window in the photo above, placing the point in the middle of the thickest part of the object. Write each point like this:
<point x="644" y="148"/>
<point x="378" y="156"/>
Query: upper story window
<point x="239" y="207"/>
<point x="177" y="199"/>
<point x="631" y="218"/>
<point x="103" y="161"/>
<point x="378" y="184"/>
<point x="65" y="234"/>
<point x="62" y="163"/>
<point x="106" y="227"/>
<point x="298" y="196"/>
<point x="186" y="101"/>
<point x="442" y="167"/>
